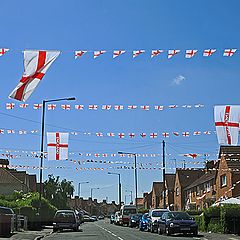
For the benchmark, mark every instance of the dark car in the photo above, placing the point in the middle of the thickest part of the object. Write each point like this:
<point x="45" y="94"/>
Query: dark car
<point x="144" y="222"/>
<point x="6" y="221"/>
<point x="65" y="219"/>
<point x="134" y="220"/>
<point x="101" y="217"/>
<point x="177" y="222"/>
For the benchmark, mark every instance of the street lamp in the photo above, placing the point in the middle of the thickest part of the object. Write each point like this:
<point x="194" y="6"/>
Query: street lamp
<point x="91" y="199"/>
<point x="79" y="188"/>
<point x="135" y="171"/>
<point x="119" y="187"/>
<point x="92" y="191"/>
<point x="42" y="139"/>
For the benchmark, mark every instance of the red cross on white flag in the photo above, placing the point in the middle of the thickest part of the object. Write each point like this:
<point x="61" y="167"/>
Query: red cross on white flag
<point x="155" y="53"/>
<point x="57" y="145"/>
<point x="185" y="134"/>
<point x="145" y="107"/>
<point x="98" y="53"/>
<point x="51" y="106"/>
<point x="23" y="105"/>
<point x="99" y="134"/>
<point x="131" y="135"/>
<point x="207" y="132"/>
<point x="10" y="131"/>
<point x="197" y="133"/>
<point x="190" y="53"/>
<point x="1" y="131"/>
<point x="153" y="135"/>
<point x="110" y="134"/>
<point x="37" y="106"/>
<point x="172" y="106"/>
<point x="93" y="107"/>
<point x="106" y="107"/>
<point x="118" y="107"/>
<point x="132" y="107"/>
<point x="229" y="52"/>
<point x="208" y="52"/>
<point x="3" y="51"/>
<point x="143" y="135"/>
<point x="79" y="54"/>
<point x="10" y="106"/>
<point x="171" y="53"/>
<point x="65" y="106"/>
<point x="165" y="134"/>
<point x="176" y="133"/>
<point x="227" y="120"/>
<point x="137" y="52"/>
<point x="117" y="53"/>
<point x="36" y="64"/>
<point x="121" y="135"/>
<point x="79" y="107"/>
<point x="160" y="108"/>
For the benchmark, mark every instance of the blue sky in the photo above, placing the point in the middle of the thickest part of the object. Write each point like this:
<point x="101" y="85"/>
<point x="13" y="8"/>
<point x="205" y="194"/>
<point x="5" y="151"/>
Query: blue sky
<point x="128" y="25"/>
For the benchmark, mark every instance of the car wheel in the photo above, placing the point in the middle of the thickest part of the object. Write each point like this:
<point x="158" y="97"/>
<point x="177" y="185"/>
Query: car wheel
<point x="167" y="231"/>
<point x="195" y="233"/>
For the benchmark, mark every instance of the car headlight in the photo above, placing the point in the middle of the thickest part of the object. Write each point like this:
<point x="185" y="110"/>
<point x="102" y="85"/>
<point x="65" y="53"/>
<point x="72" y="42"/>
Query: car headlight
<point x="133" y="221"/>
<point x="54" y="223"/>
<point x="173" y="225"/>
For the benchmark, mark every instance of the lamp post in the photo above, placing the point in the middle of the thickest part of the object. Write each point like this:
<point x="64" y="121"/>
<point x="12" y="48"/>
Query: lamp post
<point x="119" y="187"/>
<point x="42" y="141"/>
<point x="91" y="199"/>
<point x="135" y="173"/>
<point x="79" y="187"/>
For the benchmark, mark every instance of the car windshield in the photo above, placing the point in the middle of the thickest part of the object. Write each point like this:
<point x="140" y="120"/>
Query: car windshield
<point x="136" y="217"/>
<point x="65" y="215"/>
<point x="5" y="211"/>
<point x="129" y="211"/>
<point x="180" y="216"/>
<point x="157" y="213"/>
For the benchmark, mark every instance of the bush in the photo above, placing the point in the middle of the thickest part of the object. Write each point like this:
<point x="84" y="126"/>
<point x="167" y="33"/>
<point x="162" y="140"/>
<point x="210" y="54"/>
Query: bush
<point x="201" y="223"/>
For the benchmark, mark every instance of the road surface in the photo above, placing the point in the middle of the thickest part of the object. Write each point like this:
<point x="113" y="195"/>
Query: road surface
<point x="103" y="230"/>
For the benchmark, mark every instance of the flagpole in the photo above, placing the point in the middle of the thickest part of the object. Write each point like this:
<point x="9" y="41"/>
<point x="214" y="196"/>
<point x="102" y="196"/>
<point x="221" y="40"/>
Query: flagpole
<point x="42" y="146"/>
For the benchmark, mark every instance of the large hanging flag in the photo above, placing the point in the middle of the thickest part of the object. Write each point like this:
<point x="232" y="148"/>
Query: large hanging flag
<point x="57" y="145"/>
<point x="36" y="64"/>
<point x="227" y="120"/>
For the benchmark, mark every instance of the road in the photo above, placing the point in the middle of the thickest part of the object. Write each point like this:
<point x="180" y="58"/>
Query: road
<point x="103" y="230"/>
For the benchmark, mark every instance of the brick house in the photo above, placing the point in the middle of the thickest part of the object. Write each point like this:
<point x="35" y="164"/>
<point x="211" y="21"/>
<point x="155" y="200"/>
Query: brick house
<point x="202" y="192"/>
<point x="228" y="176"/>
<point x="157" y="189"/>
<point x="147" y="198"/>
<point x="184" y="177"/>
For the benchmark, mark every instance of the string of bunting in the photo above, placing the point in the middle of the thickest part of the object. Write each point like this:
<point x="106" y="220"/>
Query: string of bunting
<point x="119" y="135"/>
<point x="189" y="53"/>
<point x="67" y="107"/>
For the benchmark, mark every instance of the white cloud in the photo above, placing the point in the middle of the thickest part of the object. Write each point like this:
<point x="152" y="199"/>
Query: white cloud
<point x="178" y="80"/>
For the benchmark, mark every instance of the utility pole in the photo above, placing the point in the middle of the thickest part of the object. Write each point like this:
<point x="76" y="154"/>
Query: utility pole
<point x="164" y="178"/>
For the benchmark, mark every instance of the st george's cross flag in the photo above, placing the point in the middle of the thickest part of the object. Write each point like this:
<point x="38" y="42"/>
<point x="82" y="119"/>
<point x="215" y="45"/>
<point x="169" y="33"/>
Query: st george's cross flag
<point x="36" y="64"/>
<point x="57" y="145"/>
<point x="227" y="120"/>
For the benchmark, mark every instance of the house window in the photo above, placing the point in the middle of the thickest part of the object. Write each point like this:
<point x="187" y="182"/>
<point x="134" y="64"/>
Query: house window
<point x="208" y="187"/>
<point x="223" y="181"/>
<point x="177" y="191"/>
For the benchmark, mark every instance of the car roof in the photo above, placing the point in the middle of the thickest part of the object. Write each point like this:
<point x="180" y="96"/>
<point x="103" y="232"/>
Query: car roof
<point x="159" y="209"/>
<point x="59" y="211"/>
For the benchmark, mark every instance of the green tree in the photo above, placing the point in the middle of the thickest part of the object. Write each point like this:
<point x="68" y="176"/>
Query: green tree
<point x="57" y="192"/>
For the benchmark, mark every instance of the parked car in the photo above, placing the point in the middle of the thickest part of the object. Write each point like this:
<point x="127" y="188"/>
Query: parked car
<point x="117" y="218"/>
<point x="134" y="220"/>
<point x="112" y="219"/>
<point x="65" y="219"/>
<point x="6" y="221"/>
<point x="101" y="217"/>
<point x="144" y="221"/>
<point x="177" y="222"/>
<point x="155" y="215"/>
<point x="125" y="212"/>
<point x="94" y="218"/>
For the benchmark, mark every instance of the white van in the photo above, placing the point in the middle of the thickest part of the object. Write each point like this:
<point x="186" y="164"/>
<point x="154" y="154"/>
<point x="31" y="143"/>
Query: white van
<point x="125" y="212"/>
<point x="117" y="218"/>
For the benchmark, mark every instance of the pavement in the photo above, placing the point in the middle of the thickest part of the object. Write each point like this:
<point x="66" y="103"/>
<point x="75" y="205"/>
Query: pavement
<point x="30" y="235"/>
<point x="103" y="230"/>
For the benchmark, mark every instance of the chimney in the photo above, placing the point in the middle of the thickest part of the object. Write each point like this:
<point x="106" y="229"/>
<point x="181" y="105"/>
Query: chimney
<point x="113" y="202"/>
